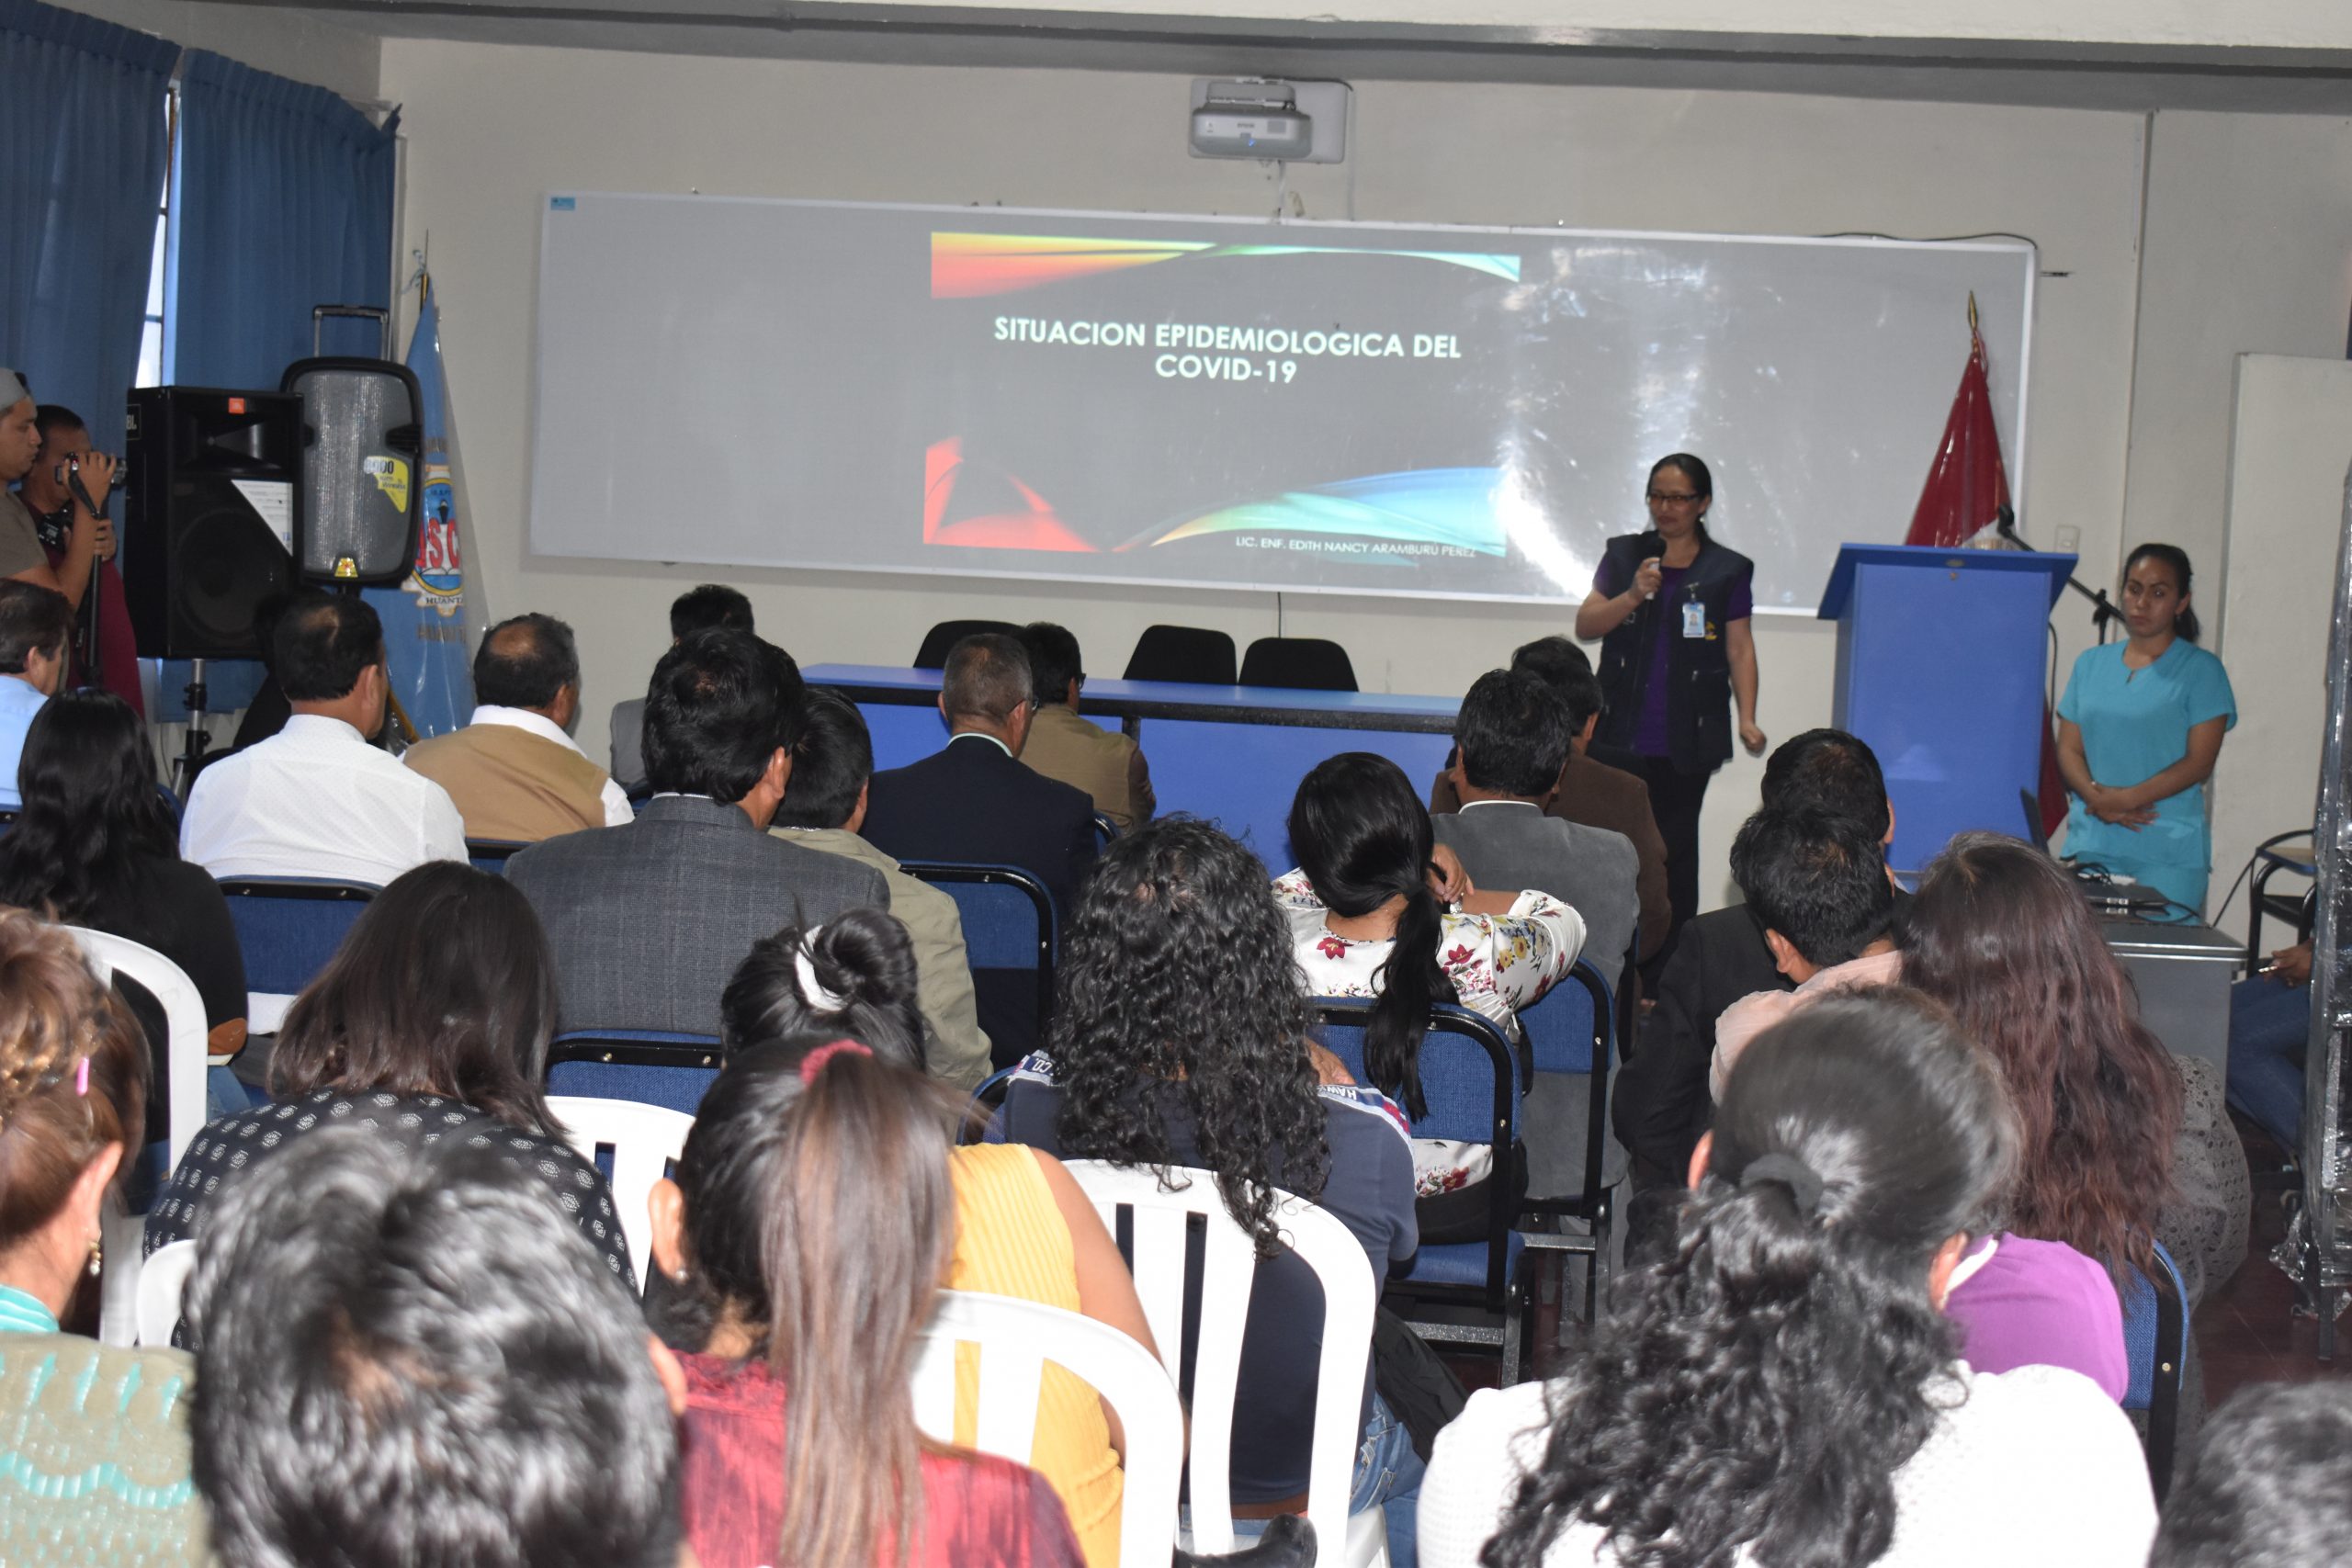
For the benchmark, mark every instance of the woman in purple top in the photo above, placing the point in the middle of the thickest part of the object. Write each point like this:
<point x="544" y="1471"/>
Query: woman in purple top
<point x="2020" y="1303"/>
<point x="1671" y="608"/>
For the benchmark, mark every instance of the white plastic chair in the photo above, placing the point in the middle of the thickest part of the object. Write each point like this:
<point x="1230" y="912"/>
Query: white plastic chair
<point x="122" y="1235"/>
<point x="1229" y="1267"/>
<point x="1016" y="1339"/>
<point x="644" y="1140"/>
<point x="161" y="1285"/>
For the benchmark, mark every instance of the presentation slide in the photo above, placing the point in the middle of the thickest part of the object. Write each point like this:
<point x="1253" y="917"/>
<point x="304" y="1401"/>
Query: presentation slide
<point x="1337" y="408"/>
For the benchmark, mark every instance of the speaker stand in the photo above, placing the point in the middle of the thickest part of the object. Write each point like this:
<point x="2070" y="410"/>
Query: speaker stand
<point x="191" y="755"/>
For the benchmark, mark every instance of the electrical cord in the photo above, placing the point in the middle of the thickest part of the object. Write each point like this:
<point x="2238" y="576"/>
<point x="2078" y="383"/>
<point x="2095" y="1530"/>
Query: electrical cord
<point x="2271" y="842"/>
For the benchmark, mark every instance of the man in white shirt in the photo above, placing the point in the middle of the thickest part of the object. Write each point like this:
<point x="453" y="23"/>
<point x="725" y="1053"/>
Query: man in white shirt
<point x="316" y="800"/>
<point x="35" y="625"/>
<point x="516" y="773"/>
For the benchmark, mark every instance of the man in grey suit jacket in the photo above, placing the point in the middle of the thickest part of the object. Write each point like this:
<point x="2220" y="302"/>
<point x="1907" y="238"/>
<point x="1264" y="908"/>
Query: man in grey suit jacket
<point x="695" y="610"/>
<point x="1510" y="740"/>
<point x="648" y="921"/>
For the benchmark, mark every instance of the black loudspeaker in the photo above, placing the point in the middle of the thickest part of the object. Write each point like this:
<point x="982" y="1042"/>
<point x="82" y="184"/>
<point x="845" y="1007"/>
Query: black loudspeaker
<point x="362" y="493"/>
<point x="209" y="521"/>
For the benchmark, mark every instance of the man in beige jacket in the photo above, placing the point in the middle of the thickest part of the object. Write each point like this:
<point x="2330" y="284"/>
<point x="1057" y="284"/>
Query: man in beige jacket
<point x="1104" y="763"/>
<point x="824" y="806"/>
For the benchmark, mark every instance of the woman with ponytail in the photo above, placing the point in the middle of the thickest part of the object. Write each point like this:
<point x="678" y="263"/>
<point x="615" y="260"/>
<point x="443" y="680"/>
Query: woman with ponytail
<point x="2139" y="731"/>
<point x="811" y="1222"/>
<point x="1367" y="921"/>
<point x="1783" y="1390"/>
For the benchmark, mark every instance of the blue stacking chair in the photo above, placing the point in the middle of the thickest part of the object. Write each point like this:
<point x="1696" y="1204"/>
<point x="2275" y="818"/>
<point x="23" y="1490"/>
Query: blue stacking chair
<point x="288" y="927"/>
<point x="1570" y="1030"/>
<point x="2155" y="1344"/>
<point x="1472" y="1083"/>
<point x="1009" y="925"/>
<point x="651" y="1067"/>
<point x="1105" y="830"/>
<point x="490" y="854"/>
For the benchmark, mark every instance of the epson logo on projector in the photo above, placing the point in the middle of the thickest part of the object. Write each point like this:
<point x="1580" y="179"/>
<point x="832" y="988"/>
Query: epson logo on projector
<point x="1265" y="134"/>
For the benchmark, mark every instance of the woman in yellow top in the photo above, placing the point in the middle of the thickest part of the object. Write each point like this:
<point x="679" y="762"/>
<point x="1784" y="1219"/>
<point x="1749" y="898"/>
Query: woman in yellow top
<point x="1024" y="1228"/>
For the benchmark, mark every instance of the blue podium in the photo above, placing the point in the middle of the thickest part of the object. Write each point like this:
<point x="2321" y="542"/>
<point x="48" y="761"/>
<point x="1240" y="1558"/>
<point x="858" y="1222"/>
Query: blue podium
<point x="1941" y="661"/>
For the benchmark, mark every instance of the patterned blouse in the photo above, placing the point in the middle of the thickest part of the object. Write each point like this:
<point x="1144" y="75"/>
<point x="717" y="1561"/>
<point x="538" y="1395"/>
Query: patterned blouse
<point x="229" y="1147"/>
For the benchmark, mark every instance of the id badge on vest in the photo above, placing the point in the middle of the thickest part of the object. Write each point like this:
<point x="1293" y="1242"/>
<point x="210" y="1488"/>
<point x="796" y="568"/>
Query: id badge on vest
<point x="1694" y="618"/>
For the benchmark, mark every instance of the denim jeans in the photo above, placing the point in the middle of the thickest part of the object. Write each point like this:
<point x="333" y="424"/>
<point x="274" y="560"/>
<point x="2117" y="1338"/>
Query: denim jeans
<point x="1388" y="1473"/>
<point x="2271" y="1025"/>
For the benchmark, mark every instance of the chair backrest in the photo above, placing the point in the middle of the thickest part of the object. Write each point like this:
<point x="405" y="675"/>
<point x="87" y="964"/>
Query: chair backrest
<point x="2156" y="1349"/>
<point x="646" y="1140"/>
<point x="1106" y="831"/>
<point x="288" y="927"/>
<point x="1158" y="1224"/>
<point x="186" y="1053"/>
<point x="1303" y="663"/>
<point x="941" y="638"/>
<point x="161" y="1285"/>
<point x="1016" y="1339"/>
<point x="1194" y="654"/>
<point x="1009" y="944"/>
<point x="648" y="1065"/>
<point x="491" y="854"/>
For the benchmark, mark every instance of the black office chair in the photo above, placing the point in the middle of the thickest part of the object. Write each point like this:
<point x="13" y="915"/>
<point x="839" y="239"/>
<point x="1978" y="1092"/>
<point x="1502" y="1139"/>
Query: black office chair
<point x="1193" y="654"/>
<point x="947" y="634"/>
<point x="1302" y="663"/>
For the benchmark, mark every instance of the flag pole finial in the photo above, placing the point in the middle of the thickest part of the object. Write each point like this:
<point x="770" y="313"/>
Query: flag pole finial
<point x="1971" y="311"/>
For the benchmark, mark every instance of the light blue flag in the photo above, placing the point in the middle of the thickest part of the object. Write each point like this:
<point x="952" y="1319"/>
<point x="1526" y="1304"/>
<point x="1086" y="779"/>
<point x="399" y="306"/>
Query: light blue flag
<point x="428" y="625"/>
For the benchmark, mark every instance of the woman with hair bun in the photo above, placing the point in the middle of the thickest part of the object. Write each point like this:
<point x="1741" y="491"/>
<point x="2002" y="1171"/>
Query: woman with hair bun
<point x="1783" y="1390"/>
<point x="849" y="979"/>
<point x="2139" y="731"/>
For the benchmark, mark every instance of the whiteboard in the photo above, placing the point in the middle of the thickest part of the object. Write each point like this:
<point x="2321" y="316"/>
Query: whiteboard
<point x="1306" y="407"/>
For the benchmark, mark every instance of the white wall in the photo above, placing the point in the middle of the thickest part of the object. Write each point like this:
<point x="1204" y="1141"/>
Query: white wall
<point x="491" y="129"/>
<point x="268" y="37"/>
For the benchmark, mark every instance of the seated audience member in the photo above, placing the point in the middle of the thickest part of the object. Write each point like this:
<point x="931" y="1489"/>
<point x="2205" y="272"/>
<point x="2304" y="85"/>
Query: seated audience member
<point x="711" y="607"/>
<point x="2271" y="1486"/>
<point x="648" y="921"/>
<point x="96" y="846"/>
<point x="1591" y="790"/>
<point x="1181" y="1040"/>
<point x="409" y="1358"/>
<point x="429" y="1025"/>
<point x="67" y="452"/>
<point x="1659" y="1103"/>
<point x="1782" y="1389"/>
<point x="823" y="808"/>
<point x="1108" y="766"/>
<point x="811" y="1222"/>
<point x="2270" y="1031"/>
<point x="1366" y="895"/>
<point x="1818" y="885"/>
<point x="22" y="557"/>
<point x="2125" y="1145"/>
<point x="514" y="770"/>
<point x="93" y="1448"/>
<point x="316" y="799"/>
<point x="1024" y="1228"/>
<point x="36" y="628"/>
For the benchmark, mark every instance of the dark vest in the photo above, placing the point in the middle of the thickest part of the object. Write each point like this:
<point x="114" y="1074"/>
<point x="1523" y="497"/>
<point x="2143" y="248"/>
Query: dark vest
<point x="1698" y="670"/>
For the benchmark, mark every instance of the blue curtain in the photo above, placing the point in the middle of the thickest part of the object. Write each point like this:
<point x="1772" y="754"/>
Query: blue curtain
<point x="82" y="161"/>
<point x="284" y="201"/>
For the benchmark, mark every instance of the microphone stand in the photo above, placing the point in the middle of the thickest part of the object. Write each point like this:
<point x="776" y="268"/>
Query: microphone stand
<point x="2103" y="609"/>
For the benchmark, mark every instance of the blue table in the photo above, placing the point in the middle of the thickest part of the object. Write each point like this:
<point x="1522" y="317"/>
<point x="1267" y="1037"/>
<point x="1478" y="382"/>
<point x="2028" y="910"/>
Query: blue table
<point x="1233" y="754"/>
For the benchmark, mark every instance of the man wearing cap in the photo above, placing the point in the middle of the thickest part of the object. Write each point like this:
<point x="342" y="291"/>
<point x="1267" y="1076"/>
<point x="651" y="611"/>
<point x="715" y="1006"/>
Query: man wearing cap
<point x="21" y="555"/>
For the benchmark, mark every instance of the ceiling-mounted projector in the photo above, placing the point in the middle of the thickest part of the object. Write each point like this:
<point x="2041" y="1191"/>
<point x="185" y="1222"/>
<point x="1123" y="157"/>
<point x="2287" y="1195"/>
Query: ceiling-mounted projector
<point x="1300" y="122"/>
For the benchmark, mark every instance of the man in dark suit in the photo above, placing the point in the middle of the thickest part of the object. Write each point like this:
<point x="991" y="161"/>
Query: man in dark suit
<point x="1591" y="790"/>
<point x="648" y="921"/>
<point x="975" y="802"/>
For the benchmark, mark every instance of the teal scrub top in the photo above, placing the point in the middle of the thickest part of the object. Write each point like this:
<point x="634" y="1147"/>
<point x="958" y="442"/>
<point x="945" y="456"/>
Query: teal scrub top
<point x="2135" y="724"/>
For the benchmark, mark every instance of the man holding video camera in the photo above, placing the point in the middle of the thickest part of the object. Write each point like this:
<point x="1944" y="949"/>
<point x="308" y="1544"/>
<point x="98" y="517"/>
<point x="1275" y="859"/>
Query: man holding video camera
<point x="55" y="532"/>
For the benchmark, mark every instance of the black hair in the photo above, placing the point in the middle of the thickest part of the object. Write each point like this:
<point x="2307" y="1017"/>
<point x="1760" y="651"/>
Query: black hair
<point x="720" y="706"/>
<point x="831" y="762"/>
<point x="323" y="642"/>
<point x="1054" y="661"/>
<point x="1689" y="467"/>
<point x="443" y="986"/>
<point x="2185" y="625"/>
<point x="93" y="820"/>
<point x="408" y="1356"/>
<point x="526" y="662"/>
<point x="864" y="962"/>
<point x="50" y="418"/>
<point x="1568" y="671"/>
<point x="1513" y="734"/>
<point x="33" y="619"/>
<point x="1816" y="878"/>
<point x="1757" y="1390"/>
<point x="1178" y="991"/>
<point x="986" y="677"/>
<point x="1828" y="770"/>
<point x="711" y="607"/>
<point x="1362" y="838"/>
<point x="2271" y="1487"/>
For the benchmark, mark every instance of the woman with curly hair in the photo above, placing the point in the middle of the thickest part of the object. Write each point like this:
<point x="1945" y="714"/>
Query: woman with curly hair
<point x="1179" y="1039"/>
<point x="1783" y="1390"/>
<point x="2124" y="1144"/>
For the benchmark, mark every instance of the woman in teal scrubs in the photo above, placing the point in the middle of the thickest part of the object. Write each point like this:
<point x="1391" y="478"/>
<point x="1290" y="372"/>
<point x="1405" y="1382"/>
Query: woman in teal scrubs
<point x="2138" y="729"/>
